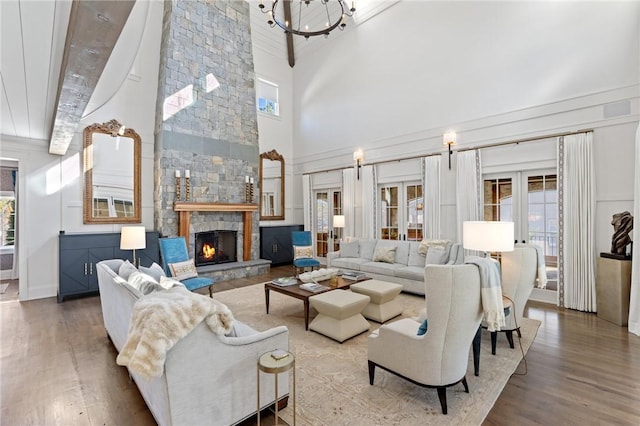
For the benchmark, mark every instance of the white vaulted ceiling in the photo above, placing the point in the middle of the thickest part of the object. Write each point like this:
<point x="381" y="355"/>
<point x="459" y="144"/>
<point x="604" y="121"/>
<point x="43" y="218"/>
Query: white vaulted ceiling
<point x="33" y="34"/>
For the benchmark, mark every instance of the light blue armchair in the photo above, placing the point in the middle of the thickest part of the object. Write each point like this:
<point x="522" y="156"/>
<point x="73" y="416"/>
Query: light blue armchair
<point x="174" y="250"/>
<point x="303" y="251"/>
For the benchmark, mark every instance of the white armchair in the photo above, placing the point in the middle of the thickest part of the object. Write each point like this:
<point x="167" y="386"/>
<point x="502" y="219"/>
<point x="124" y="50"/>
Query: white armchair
<point x="440" y="357"/>
<point x="519" y="272"/>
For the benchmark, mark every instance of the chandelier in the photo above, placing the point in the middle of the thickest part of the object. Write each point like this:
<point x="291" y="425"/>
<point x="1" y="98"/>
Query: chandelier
<point x="320" y="16"/>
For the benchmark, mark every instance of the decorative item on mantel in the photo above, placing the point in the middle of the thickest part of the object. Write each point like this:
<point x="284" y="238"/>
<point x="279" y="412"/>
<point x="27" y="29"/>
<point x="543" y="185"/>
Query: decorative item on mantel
<point x="187" y="185"/>
<point x="622" y="227"/>
<point x="248" y="189"/>
<point x="177" y="185"/>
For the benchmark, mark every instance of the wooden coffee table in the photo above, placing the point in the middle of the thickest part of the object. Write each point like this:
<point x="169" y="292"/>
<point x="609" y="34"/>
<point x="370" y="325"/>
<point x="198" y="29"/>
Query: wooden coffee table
<point x="298" y="293"/>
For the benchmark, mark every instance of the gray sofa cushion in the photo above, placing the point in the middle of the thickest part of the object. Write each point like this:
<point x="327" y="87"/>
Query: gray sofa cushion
<point x="436" y="256"/>
<point x="402" y="252"/>
<point x="415" y="258"/>
<point x="381" y="268"/>
<point x="367" y="247"/>
<point x="348" y="262"/>
<point x="415" y="273"/>
<point x="349" y="249"/>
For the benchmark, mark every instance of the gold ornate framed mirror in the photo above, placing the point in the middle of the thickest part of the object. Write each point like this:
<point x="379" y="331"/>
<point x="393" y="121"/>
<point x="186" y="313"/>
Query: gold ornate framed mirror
<point x="111" y="164"/>
<point x="271" y="186"/>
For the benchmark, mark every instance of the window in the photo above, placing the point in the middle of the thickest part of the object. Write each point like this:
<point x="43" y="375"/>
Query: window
<point x="530" y="200"/>
<point x="267" y="93"/>
<point x="328" y="204"/>
<point x="112" y="207"/>
<point x="401" y="212"/>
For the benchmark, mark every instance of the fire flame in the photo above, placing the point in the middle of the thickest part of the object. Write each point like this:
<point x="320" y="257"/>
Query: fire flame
<point x="208" y="252"/>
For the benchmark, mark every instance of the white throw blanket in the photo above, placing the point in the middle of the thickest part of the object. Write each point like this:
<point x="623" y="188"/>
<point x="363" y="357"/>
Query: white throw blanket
<point x="160" y="319"/>
<point x="490" y="291"/>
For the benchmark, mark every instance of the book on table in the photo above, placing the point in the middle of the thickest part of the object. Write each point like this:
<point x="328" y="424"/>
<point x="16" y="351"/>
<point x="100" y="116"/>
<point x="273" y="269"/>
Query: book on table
<point x="313" y="287"/>
<point x="353" y="276"/>
<point x="285" y="281"/>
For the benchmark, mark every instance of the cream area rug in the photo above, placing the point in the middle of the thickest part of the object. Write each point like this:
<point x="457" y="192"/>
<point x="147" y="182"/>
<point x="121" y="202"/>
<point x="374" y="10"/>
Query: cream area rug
<point x="332" y="379"/>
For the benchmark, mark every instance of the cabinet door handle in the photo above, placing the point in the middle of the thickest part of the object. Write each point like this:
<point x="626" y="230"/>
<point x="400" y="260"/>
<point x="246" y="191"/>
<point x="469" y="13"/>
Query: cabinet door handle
<point x="85" y="268"/>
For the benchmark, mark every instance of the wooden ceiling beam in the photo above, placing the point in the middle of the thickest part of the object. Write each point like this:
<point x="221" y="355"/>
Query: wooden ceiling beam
<point x="288" y="35"/>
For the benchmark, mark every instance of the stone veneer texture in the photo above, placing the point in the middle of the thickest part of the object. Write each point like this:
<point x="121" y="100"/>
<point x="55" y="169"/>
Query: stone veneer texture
<point x="212" y="132"/>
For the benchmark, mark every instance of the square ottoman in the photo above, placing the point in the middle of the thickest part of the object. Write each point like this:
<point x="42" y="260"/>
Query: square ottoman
<point x="339" y="314"/>
<point x="383" y="305"/>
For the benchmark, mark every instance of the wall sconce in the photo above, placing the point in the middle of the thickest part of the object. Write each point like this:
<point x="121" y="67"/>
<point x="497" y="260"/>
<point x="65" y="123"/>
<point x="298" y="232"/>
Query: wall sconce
<point x="449" y="139"/>
<point x="132" y="238"/>
<point x="358" y="157"/>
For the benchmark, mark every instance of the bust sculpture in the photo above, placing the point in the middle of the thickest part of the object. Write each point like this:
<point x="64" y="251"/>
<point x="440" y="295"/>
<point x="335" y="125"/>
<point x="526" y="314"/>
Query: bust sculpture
<point x="622" y="227"/>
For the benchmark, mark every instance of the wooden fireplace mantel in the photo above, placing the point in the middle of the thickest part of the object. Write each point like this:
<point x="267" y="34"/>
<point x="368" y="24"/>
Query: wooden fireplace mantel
<point x="184" y="210"/>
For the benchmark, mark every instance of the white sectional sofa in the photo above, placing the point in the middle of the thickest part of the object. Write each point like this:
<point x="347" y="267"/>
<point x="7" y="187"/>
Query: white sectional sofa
<point x="207" y="379"/>
<point x="404" y="265"/>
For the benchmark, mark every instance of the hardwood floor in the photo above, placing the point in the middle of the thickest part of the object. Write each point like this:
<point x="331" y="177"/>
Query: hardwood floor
<point x="57" y="367"/>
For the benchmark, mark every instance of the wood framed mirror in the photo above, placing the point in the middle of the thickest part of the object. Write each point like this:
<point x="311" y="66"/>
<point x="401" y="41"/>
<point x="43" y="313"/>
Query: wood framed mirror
<point x="271" y="186"/>
<point x="111" y="164"/>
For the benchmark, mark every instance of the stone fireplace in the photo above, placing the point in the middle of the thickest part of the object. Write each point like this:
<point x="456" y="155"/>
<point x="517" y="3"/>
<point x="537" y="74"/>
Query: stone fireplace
<point x="206" y="124"/>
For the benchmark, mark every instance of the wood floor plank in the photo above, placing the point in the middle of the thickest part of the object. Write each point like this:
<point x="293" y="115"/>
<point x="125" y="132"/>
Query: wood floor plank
<point x="57" y="367"/>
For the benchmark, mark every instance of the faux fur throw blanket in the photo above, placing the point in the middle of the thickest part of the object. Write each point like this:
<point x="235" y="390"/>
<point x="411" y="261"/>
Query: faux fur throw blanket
<point x="490" y="291"/>
<point x="160" y="319"/>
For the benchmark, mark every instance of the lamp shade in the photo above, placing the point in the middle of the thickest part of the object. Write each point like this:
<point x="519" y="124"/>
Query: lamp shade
<point x="487" y="236"/>
<point x="132" y="238"/>
<point x="338" y="221"/>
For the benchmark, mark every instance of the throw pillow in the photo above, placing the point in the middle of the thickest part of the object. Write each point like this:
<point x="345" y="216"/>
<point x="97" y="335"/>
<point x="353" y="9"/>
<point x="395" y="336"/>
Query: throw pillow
<point x="422" y="330"/>
<point x="154" y="270"/>
<point x="183" y="270"/>
<point x="385" y="254"/>
<point x="303" y="252"/>
<point x="349" y="249"/>
<point x="168" y="282"/>
<point x="126" y="269"/>
<point x="436" y="256"/>
<point x="144" y="283"/>
<point x="425" y="244"/>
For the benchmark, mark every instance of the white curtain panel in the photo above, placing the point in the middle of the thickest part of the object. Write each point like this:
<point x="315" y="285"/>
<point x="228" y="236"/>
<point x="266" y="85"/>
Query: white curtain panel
<point x="577" y="220"/>
<point x="369" y="202"/>
<point x="348" y="202"/>
<point x="468" y="188"/>
<point x="306" y="202"/>
<point x="431" y="195"/>
<point x="634" y="306"/>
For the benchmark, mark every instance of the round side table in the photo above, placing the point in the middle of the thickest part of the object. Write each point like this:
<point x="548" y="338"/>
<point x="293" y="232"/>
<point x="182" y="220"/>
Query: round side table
<point x="268" y="364"/>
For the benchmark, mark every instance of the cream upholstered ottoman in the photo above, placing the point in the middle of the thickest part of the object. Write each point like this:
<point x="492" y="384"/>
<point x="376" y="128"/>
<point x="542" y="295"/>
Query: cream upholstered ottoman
<point x="383" y="305"/>
<point x="339" y="314"/>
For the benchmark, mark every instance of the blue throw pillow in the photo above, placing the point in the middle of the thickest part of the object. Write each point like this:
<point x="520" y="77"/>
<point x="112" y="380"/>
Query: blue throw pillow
<point x="423" y="327"/>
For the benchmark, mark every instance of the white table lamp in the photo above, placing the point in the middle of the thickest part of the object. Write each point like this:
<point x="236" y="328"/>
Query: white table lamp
<point x="487" y="236"/>
<point x="132" y="238"/>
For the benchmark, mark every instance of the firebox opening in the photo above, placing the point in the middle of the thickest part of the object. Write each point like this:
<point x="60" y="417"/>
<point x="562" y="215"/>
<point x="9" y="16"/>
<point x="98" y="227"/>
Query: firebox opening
<point x="213" y="247"/>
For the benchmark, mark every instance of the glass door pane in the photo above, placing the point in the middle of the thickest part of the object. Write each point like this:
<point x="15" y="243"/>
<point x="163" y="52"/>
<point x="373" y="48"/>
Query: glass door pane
<point x="542" y="221"/>
<point x="414" y="208"/>
<point x="337" y="210"/>
<point x="389" y="213"/>
<point x="322" y="223"/>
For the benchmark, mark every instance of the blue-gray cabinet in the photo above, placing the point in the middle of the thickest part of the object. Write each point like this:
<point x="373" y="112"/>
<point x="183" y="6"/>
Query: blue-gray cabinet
<point x="79" y="253"/>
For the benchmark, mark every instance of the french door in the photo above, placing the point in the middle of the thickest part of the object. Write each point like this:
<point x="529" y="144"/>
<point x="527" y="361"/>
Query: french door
<point x="328" y="204"/>
<point x="401" y="214"/>
<point x="530" y="200"/>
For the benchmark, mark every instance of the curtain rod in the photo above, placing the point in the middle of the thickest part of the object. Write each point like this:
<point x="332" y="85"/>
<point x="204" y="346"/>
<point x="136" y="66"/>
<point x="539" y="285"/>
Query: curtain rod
<point x="517" y="141"/>
<point x="413" y="157"/>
